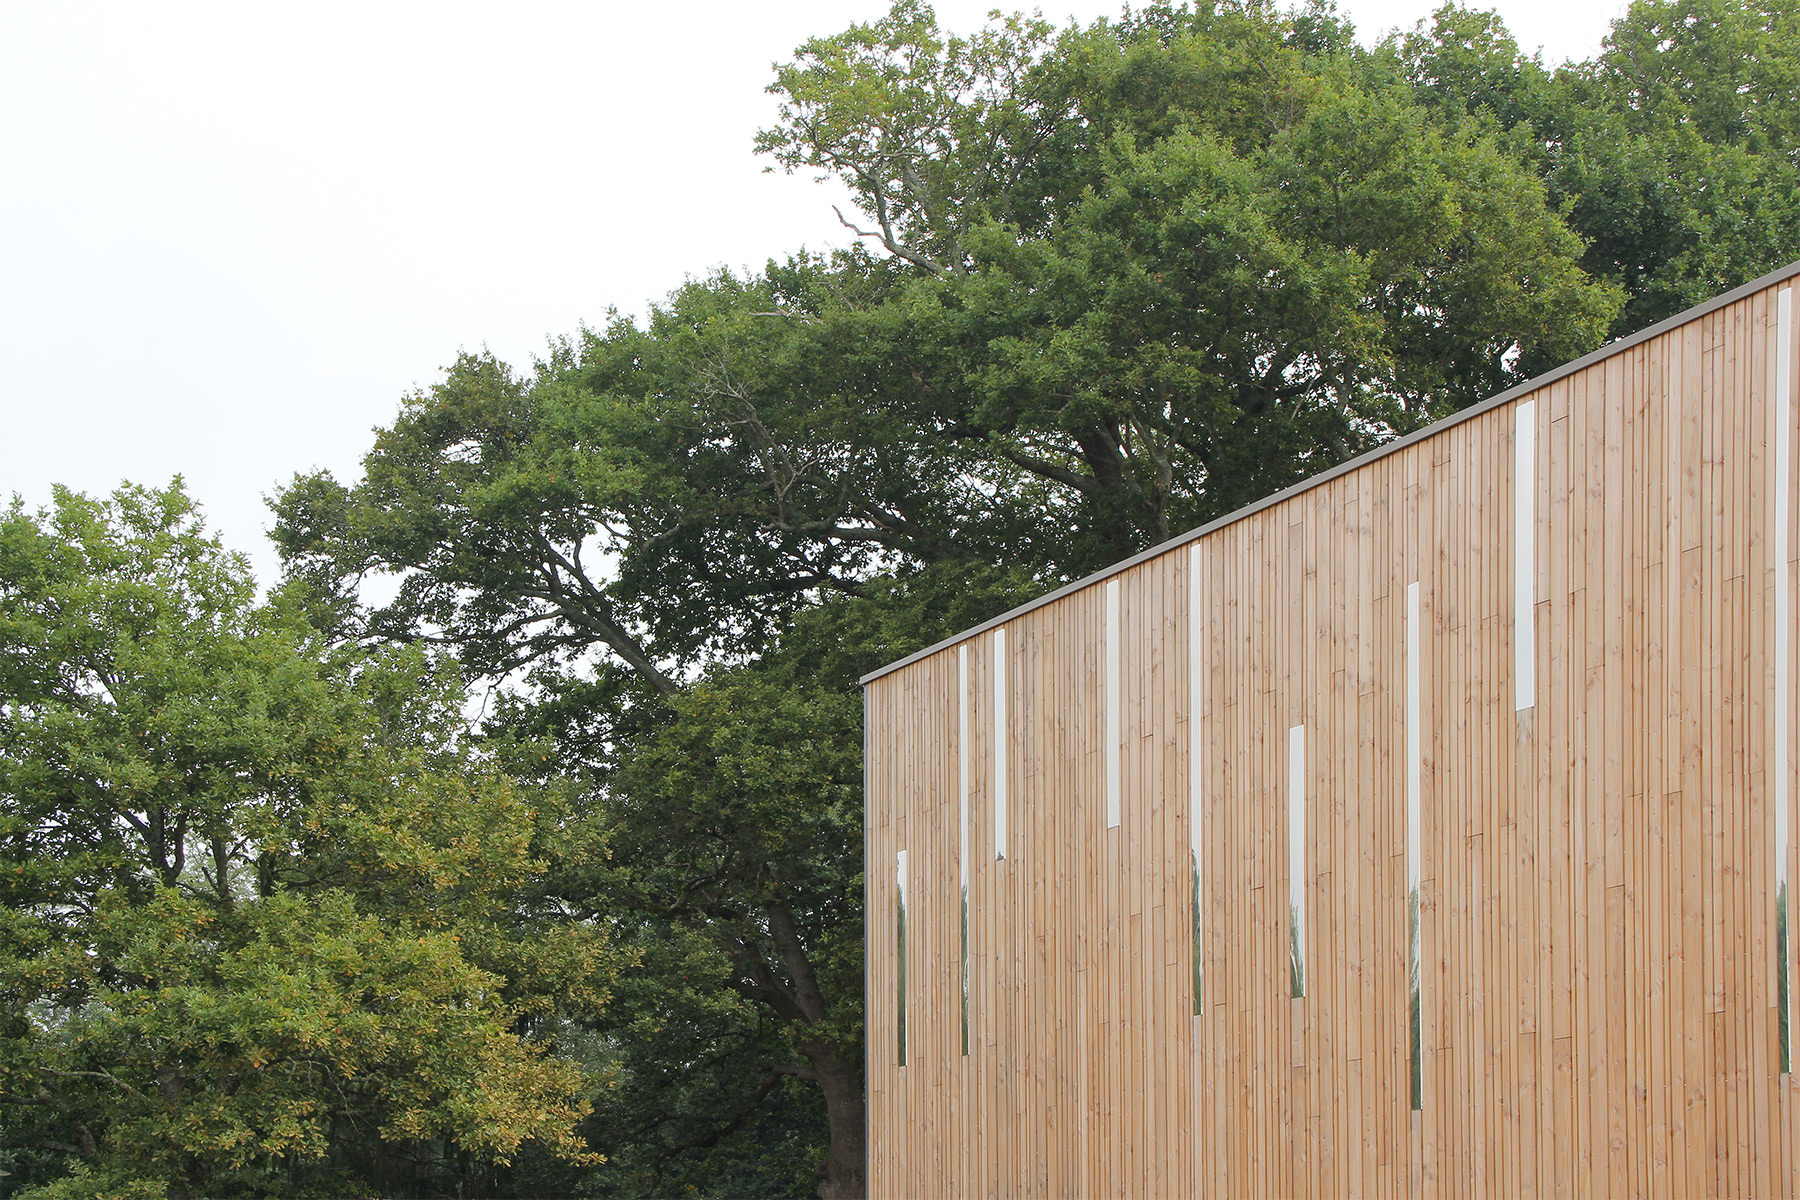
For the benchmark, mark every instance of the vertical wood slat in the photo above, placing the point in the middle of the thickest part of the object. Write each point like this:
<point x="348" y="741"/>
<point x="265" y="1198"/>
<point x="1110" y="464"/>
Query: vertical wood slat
<point x="1597" y="868"/>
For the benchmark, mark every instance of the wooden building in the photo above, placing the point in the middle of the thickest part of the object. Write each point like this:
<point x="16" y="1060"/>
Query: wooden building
<point x="1144" y="856"/>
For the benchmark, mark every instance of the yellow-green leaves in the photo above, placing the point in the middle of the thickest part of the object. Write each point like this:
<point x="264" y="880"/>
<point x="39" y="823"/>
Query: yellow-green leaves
<point x="262" y="917"/>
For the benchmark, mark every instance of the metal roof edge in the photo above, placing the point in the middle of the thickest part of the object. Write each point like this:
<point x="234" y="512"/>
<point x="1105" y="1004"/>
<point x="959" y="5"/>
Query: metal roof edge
<point x="1474" y="410"/>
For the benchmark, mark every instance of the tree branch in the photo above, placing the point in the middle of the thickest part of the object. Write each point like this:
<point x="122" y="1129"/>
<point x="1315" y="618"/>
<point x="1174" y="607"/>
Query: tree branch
<point x="1085" y="484"/>
<point x="886" y="238"/>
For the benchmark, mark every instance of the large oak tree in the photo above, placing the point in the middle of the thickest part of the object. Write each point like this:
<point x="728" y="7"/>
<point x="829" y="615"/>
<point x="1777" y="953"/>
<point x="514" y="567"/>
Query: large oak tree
<point x="1109" y="283"/>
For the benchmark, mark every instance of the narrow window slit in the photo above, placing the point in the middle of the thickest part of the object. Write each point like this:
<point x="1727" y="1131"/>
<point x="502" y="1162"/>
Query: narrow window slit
<point x="1524" y="555"/>
<point x="900" y="950"/>
<point x="1784" y="613"/>
<point x="1414" y="1032"/>
<point x="962" y="821"/>
<point x="1297" y="861"/>
<point x="1196" y="774"/>
<point x="1112" y="703"/>
<point x="999" y="672"/>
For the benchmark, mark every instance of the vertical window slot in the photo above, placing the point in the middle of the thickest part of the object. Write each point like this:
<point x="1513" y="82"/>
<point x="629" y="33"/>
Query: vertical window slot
<point x="1524" y="555"/>
<point x="900" y="951"/>
<point x="1784" y="619"/>
<point x="1297" y="860"/>
<point x="1414" y="763"/>
<point x="1196" y="774"/>
<point x="1112" y="703"/>
<point x="999" y="672"/>
<point x="962" y="821"/>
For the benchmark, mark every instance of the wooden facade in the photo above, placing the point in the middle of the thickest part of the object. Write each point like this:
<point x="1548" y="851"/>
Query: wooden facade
<point x="1555" y="632"/>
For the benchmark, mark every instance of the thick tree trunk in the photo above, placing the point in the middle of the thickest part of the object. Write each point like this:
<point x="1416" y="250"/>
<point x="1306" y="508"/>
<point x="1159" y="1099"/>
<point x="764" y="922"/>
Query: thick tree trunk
<point x="844" y="1175"/>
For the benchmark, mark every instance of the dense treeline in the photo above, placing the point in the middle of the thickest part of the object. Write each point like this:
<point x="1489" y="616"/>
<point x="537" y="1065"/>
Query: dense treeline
<point x="270" y="924"/>
<point x="280" y="923"/>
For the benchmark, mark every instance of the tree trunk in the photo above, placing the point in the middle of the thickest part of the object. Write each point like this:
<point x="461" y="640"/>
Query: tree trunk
<point x="844" y="1175"/>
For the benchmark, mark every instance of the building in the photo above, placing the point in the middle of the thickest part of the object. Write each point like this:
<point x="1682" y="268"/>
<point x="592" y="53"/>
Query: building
<point x="1144" y="856"/>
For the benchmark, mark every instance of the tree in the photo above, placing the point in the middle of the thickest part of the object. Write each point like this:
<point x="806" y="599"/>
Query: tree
<point x="1675" y="153"/>
<point x="736" y="825"/>
<point x="1117" y="281"/>
<point x="1172" y="264"/>
<point x="264" y="927"/>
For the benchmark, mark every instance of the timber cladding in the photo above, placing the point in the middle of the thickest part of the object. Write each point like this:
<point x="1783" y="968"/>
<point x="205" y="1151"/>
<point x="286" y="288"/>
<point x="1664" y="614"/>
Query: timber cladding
<point x="1142" y="857"/>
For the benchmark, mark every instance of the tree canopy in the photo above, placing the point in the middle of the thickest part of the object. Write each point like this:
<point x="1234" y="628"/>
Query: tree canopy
<point x="1163" y="266"/>
<point x="1674" y="153"/>
<point x="264" y="929"/>
<point x="1106" y="283"/>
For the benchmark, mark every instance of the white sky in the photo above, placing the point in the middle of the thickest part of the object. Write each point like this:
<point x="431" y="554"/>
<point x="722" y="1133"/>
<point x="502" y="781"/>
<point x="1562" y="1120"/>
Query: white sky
<point x="233" y="235"/>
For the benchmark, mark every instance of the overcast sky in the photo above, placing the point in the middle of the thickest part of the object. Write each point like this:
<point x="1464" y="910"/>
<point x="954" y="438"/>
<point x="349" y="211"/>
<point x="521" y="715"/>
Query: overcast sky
<point x="234" y="235"/>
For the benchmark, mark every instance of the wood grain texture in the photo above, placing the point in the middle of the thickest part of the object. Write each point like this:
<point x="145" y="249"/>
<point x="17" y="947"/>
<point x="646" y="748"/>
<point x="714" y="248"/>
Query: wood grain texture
<point x="1597" y="870"/>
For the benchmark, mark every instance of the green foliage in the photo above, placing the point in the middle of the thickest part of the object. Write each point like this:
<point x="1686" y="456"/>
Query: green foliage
<point x="735" y="824"/>
<point x="1112" y="282"/>
<point x="1296" y="955"/>
<point x="924" y="126"/>
<point x="1168" y="265"/>
<point x="1415" y="1037"/>
<point x="1784" y="998"/>
<point x="264" y="927"/>
<point x="1675" y="153"/>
